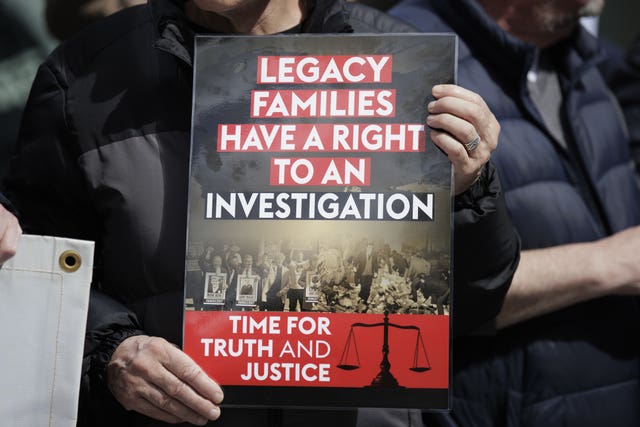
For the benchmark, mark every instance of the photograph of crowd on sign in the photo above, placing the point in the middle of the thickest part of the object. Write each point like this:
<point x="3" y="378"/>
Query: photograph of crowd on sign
<point x="346" y="273"/>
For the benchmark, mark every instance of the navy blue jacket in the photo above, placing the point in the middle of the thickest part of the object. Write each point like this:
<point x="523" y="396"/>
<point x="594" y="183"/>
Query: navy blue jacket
<point x="622" y="72"/>
<point x="581" y="365"/>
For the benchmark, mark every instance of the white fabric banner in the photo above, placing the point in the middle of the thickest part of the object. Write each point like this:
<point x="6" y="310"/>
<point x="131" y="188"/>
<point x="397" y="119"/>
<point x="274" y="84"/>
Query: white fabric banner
<point x="44" y="297"/>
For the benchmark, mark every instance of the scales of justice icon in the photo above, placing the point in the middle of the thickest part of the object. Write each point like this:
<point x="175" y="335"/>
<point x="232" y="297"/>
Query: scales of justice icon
<point x="350" y="359"/>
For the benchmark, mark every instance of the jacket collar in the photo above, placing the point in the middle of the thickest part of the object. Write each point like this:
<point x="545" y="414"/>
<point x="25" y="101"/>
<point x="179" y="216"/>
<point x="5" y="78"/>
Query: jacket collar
<point x="174" y="33"/>
<point x="580" y="53"/>
<point x="509" y="56"/>
<point x="327" y="17"/>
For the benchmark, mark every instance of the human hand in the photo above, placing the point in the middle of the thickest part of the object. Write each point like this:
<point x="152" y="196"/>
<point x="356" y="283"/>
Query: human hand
<point x="10" y="233"/>
<point x="456" y="118"/>
<point x="618" y="262"/>
<point x="152" y="376"/>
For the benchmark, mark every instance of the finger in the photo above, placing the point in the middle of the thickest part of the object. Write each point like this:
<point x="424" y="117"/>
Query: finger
<point x="479" y="117"/>
<point x="458" y="155"/>
<point x="456" y="91"/>
<point x="189" y="401"/>
<point x="10" y="233"/>
<point x="184" y="368"/>
<point x="12" y="236"/>
<point x="460" y="129"/>
<point x="473" y="108"/>
<point x="137" y="377"/>
<point x="134" y="394"/>
<point x="449" y="145"/>
<point x="466" y="169"/>
<point x="160" y="374"/>
<point x="465" y="109"/>
<point x="149" y="409"/>
<point x="173" y="407"/>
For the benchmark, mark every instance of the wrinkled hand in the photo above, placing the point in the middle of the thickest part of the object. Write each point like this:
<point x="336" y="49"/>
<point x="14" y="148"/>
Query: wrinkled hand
<point x="10" y="233"/>
<point x="456" y="117"/>
<point x="151" y="376"/>
<point x="619" y="263"/>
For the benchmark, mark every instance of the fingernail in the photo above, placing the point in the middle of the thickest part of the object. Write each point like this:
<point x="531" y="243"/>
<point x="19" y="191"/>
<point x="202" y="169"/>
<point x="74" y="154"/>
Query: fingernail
<point x="429" y="119"/>
<point x="431" y="105"/>
<point x="218" y="397"/>
<point x="436" y="89"/>
<point x="201" y="421"/>
<point x="214" y="414"/>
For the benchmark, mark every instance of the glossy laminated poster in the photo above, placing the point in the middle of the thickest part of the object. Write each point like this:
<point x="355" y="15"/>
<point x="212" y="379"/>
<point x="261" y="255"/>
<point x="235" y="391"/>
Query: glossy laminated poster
<point x="317" y="268"/>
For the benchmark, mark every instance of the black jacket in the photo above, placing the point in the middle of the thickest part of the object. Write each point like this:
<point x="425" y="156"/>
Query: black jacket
<point x="104" y="155"/>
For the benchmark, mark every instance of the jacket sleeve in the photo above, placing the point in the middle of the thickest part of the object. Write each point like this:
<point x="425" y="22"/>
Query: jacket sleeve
<point x="631" y="103"/>
<point x="109" y="323"/>
<point x="48" y="191"/>
<point x="486" y="254"/>
<point x="44" y="183"/>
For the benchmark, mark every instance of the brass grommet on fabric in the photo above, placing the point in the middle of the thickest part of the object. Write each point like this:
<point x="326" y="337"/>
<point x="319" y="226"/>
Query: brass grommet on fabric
<point x="70" y="261"/>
